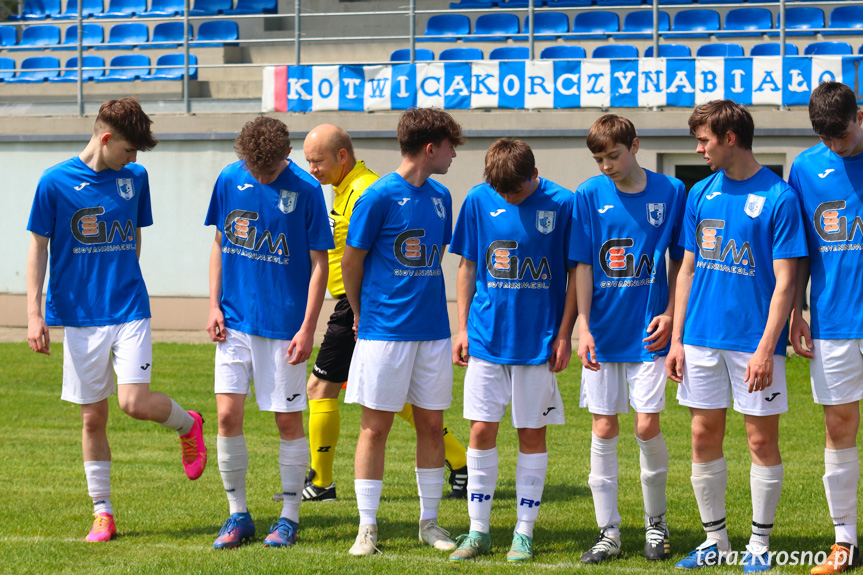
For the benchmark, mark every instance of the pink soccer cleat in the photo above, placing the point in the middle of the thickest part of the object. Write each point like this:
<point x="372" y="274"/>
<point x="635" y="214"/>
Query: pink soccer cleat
<point x="194" y="450"/>
<point x="103" y="529"/>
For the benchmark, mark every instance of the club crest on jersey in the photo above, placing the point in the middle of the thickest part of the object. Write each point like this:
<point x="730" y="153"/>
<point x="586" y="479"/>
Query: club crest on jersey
<point x="754" y="204"/>
<point x="545" y="221"/>
<point x="656" y="214"/>
<point x="287" y="201"/>
<point x="439" y="208"/>
<point x="125" y="188"/>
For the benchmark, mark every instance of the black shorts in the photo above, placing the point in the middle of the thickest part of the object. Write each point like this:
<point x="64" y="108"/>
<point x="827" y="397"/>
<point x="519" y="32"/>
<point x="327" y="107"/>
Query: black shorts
<point x="334" y="358"/>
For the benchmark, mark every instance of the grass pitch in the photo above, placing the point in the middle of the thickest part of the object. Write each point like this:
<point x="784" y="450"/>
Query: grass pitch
<point x="167" y="523"/>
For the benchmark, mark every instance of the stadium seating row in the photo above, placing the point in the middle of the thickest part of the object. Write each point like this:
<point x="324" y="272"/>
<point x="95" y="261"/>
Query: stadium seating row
<point x="166" y="35"/>
<point x="801" y="20"/>
<point x="124" y="68"/>
<point x="41" y="9"/>
<point x="511" y="4"/>
<point x="626" y="51"/>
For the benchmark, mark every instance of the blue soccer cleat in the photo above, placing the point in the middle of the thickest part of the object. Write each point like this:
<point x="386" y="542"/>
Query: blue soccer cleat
<point x="282" y="534"/>
<point x="237" y="528"/>
<point x="756" y="558"/>
<point x="705" y="555"/>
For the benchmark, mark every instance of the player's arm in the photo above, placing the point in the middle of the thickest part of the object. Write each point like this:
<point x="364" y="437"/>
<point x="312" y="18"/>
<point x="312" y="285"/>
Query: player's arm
<point x="683" y="285"/>
<point x="37" y="263"/>
<point x="561" y="351"/>
<point x="216" y="321"/>
<point x="584" y="296"/>
<point x="352" y="274"/>
<point x="661" y="326"/>
<point x="465" y="290"/>
<point x="759" y="370"/>
<point x="138" y="243"/>
<point x="799" y="326"/>
<point x="300" y="348"/>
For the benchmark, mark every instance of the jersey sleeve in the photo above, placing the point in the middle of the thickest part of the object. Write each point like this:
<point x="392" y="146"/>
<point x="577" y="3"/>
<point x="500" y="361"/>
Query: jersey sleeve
<point x="317" y="222"/>
<point x="145" y="212"/>
<point x="214" y="213"/>
<point x="675" y="249"/>
<point x="580" y="245"/>
<point x="687" y="236"/>
<point x="447" y="228"/>
<point x="567" y="213"/>
<point x="789" y="238"/>
<point x="44" y="211"/>
<point x="464" y="239"/>
<point x="366" y="222"/>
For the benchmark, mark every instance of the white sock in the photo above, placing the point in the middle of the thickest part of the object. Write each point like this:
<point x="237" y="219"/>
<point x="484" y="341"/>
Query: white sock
<point x="430" y="487"/>
<point x="529" y="482"/>
<point x="293" y="457"/>
<point x="766" y="485"/>
<point x="603" y="481"/>
<point x="709" y="481"/>
<point x="654" y="475"/>
<point x="98" y="475"/>
<point x="368" y="499"/>
<point x="233" y="464"/>
<point x="179" y="420"/>
<point x="841" y="474"/>
<point x="482" y="469"/>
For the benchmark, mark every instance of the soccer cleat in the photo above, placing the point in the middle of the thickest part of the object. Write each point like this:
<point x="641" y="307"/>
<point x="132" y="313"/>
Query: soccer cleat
<point x="366" y="543"/>
<point x="312" y="492"/>
<point x="237" y="528"/>
<point x="433" y="534"/>
<point x="705" y="555"/>
<point x="843" y="556"/>
<point x="458" y="482"/>
<point x="194" y="450"/>
<point x="471" y="545"/>
<point x="282" y="534"/>
<point x="103" y="529"/>
<point x="605" y="547"/>
<point x="756" y="558"/>
<point x="521" y="549"/>
<point x="657" y="546"/>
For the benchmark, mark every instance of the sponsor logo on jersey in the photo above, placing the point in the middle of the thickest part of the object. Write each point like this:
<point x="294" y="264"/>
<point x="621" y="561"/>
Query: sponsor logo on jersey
<point x="245" y="187"/>
<point x="439" y="208"/>
<point x="412" y="253"/>
<point x="713" y="195"/>
<point x="545" y="221"/>
<point x="656" y="214"/>
<point x="831" y="226"/>
<point x="604" y="208"/>
<point x="287" y="201"/>
<point x="502" y="264"/>
<point x="712" y="248"/>
<point x="754" y="205"/>
<point x="403" y="201"/>
<point x="81" y="186"/>
<point x="826" y="173"/>
<point x="88" y="229"/>
<point x="125" y="188"/>
<point x="240" y="232"/>
<point x="772" y="396"/>
<point x="616" y="263"/>
<point x="497" y="212"/>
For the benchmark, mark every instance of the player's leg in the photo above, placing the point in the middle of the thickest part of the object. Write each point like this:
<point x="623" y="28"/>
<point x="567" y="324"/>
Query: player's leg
<point x="324" y="430"/>
<point x="97" y="469"/>
<point x="454" y="454"/>
<point x="293" y="455"/>
<point x="375" y="426"/>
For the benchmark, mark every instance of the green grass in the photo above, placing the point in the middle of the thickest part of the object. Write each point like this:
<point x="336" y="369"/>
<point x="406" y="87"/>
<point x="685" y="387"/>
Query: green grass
<point x="167" y="524"/>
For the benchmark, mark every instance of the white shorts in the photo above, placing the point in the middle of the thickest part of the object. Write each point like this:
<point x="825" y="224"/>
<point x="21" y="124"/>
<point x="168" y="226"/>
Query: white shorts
<point x="241" y="358"/>
<point x="385" y="375"/>
<point x="604" y="392"/>
<point x="713" y="377"/>
<point x="836" y="371"/>
<point x="532" y="389"/>
<point x="88" y="354"/>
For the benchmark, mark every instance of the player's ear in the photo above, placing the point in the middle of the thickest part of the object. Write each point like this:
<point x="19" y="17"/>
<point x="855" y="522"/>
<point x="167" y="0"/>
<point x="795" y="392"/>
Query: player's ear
<point x="104" y="139"/>
<point x="288" y="154"/>
<point x="634" y="147"/>
<point x="860" y="117"/>
<point x="429" y="149"/>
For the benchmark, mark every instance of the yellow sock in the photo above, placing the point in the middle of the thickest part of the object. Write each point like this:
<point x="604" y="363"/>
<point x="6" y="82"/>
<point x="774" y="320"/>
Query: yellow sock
<point x="454" y="451"/>
<point x="323" y="436"/>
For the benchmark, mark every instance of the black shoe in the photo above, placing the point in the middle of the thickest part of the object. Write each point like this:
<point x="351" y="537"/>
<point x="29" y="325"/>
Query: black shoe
<point x="312" y="492"/>
<point x="657" y="546"/>
<point x="458" y="481"/>
<point x="605" y="547"/>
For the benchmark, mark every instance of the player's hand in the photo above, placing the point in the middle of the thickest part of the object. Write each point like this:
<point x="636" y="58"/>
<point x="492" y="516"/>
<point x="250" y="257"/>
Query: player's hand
<point x="587" y="350"/>
<point x="38" y="336"/>
<point x="356" y="327"/>
<point x="561" y="353"/>
<point x="660" y="332"/>
<point x="800" y="331"/>
<point x="759" y="370"/>
<point x="216" y="325"/>
<point x="674" y="362"/>
<point x="460" y="354"/>
<point x="300" y="348"/>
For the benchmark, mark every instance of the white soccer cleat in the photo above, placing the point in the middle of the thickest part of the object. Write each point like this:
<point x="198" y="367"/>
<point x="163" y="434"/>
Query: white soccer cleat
<point x="433" y="534"/>
<point x="366" y="543"/>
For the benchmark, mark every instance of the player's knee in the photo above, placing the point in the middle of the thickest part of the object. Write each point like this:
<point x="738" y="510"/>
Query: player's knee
<point x="230" y="423"/>
<point x="531" y="440"/>
<point x="606" y="427"/>
<point x="841" y="426"/>
<point x="93" y="422"/>
<point x="646" y="427"/>
<point x="762" y="446"/>
<point x="135" y="408"/>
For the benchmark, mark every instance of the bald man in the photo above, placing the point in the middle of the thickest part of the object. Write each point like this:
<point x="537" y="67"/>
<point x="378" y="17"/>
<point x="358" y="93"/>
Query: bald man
<point x="330" y="155"/>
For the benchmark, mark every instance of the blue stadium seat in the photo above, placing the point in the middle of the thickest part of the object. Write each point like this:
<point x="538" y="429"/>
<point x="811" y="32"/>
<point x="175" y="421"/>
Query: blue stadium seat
<point x="126" y="36"/>
<point x="568" y="3"/>
<point x="510" y="53"/>
<point x="210" y="7"/>
<point x="743" y="22"/>
<point x="773" y="49"/>
<point x="38" y="10"/>
<point x="801" y="21"/>
<point x="845" y="17"/>
<point x="176" y="70"/>
<point x="472" y="4"/>
<point x="642" y="21"/>
<point x="598" y="24"/>
<point x="126" y="68"/>
<point x="164" y="9"/>
<point x="503" y="24"/>
<point x="93" y="34"/>
<point x="88" y="9"/>
<point x="719" y="49"/>
<point x="695" y="23"/>
<point x="8" y="36"/>
<point x="92" y="67"/>
<point x="123" y="9"/>
<point x="7" y="68"/>
<point x="669" y="51"/>
<point x="38" y="37"/>
<point x="860" y="49"/>
<point x="828" y="48"/>
<point x="253" y="7"/>
<point x="460" y="54"/>
<point x="615" y="51"/>
<point x="30" y="74"/>
<point x="674" y="2"/>
<point x="612" y="3"/>
<point x="454" y="26"/>
<point x="516" y="4"/>
<point x="216" y="33"/>
<point x="563" y="53"/>
<point x="718" y="1"/>
<point x="167" y="36"/>
<point x="546" y="25"/>
<point x="404" y="55"/>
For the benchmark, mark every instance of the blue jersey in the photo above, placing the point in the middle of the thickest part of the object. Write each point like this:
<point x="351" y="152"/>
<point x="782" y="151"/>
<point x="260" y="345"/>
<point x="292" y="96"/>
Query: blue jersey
<point x="736" y="229"/>
<point x="830" y="189"/>
<point x="405" y="230"/>
<point x="92" y="219"/>
<point x="267" y="232"/>
<point x="521" y="271"/>
<point x="625" y="237"/>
